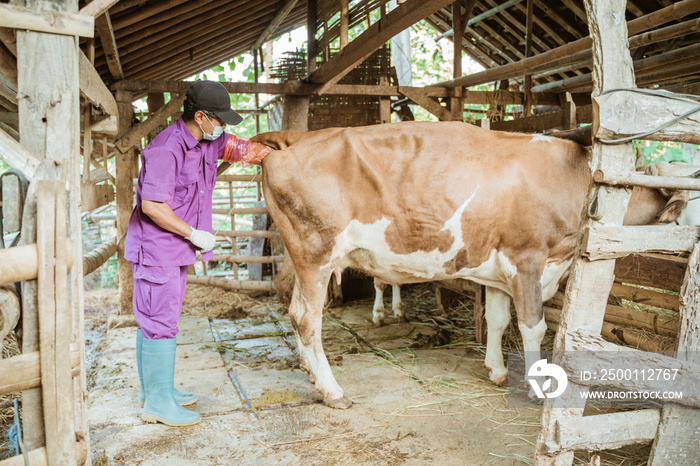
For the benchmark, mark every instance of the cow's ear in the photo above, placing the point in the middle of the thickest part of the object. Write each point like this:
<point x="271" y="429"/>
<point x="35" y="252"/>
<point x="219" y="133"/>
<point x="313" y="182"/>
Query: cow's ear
<point x="674" y="207"/>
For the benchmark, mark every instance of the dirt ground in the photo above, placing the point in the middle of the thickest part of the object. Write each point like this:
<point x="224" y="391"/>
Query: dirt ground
<point x="421" y="393"/>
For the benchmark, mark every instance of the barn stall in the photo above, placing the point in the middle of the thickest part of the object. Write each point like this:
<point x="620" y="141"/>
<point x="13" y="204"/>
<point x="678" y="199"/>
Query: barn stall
<point x="256" y="404"/>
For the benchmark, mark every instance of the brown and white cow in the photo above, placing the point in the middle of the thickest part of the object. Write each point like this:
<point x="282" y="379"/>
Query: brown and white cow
<point x="422" y="201"/>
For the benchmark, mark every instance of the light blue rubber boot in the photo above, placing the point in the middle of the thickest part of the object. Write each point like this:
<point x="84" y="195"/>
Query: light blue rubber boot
<point x="183" y="398"/>
<point x="158" y="359"/>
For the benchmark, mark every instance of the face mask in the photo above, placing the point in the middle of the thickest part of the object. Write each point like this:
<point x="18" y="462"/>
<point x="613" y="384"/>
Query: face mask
<point x="218" y="131"/>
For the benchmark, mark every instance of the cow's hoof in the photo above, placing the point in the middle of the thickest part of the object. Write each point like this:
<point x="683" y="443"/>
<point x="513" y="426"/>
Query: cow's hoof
<point x="401" y="319"/>
<point x="338" y="403"/>
<point x="378" y="322"/>
<point x="500" y="380"/>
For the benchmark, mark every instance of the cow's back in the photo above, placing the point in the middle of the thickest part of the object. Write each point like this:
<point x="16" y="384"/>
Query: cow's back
<point x="423" y="182"/>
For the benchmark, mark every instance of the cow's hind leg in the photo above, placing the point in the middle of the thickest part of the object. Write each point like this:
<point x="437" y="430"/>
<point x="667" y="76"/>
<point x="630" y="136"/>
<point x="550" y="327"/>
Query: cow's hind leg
<point x="378" y="310"/>
<point x="306" y="313"/>
<point x="497" y="319"/>
<point x="527" y="297"/>
<point x="397" y="304"/>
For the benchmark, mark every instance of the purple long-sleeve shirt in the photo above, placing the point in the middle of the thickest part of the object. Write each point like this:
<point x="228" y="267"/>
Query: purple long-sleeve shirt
<point x="180" y="171"/>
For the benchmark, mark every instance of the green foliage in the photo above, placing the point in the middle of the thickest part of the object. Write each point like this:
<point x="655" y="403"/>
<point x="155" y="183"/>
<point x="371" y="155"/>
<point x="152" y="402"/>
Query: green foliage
<point x="657" y="151"/>
<point x="3" y="166"/>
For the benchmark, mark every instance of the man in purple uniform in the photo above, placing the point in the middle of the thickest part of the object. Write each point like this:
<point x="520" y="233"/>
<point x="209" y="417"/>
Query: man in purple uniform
<point x="172" y="220"/>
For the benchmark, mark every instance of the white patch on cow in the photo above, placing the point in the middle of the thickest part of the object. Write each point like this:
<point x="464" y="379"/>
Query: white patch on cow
<point x="532" y="338"/>
<point x="509" y="270"/>
<point x="552" y="275"/>
<point x="541" y="138"/>
<point x="392" y="267"/>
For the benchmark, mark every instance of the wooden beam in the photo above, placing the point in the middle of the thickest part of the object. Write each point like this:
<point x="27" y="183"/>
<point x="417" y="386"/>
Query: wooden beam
<point x="9" y="92"/>
<point x="645" y="66"/>
<point x="97" y="7"/>
<point x="674" y="12"/>
<point x="69" y="24"/>
<point x="527" y="85"/>
<point x="592" y="353"/>
<point x="94" y="196"/>
<point x="612" y="241"/>
<point x="141" y="130"/>
<point x="275" y="23"/>
<point x="16" y="156"/>
<point x="616" y="178"/>
<point x="539" y="123"/>
<point x="653" y="270"/>
<point x="54" y="322"/>
<point x="628" y="113"/>
<point x="233" y="285"/>
<point x="8" y="64"/>
<point x="7" y="37"/>
<point x="607" y="431"/>
<point x="103" y="24"/>
<point x="11" y="118"/>
<point x="429" y="104"/>
<point x="344" y="23"/>
<point x="93" y="88"/>
<point x="676" y="440"/>
<point x="36" y="457"/>
<point x="590" y="281"/>
<point x="311" y="27"/>
<point x="23" y="371"/>
<point x="370" y="40"/>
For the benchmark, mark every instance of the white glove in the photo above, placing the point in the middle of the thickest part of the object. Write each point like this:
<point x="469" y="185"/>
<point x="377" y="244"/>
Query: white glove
<point x="204" y="240"/>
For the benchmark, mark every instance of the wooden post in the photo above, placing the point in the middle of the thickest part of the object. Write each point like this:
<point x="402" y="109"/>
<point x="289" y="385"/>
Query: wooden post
<point x="480" y="326"/>
<point x="55" y="323"/>
<point x="49" y="128"/>
<point x="384" y="103"/>
<point x="590" y="282"/>
<point x="256" y="58"/>
<point x="155" y="101"/>
<point x="344" y="22"/>
<point x="677" y="437"/>
<point x="568" y="108"/>
<point x="311" y="36"/>
<point x="527" y="85"/>
<point x="458" y="26"/>
<point x="125" y="162"/>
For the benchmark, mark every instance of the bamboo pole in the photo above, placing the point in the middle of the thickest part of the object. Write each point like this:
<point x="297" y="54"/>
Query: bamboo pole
<point x="23" y="372"/>
<point x="232" y="285"/>
<point x="98" y="256"/>
<point x="235" y="258"/>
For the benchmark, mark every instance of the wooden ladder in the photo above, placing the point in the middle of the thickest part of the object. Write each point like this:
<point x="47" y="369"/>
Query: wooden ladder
<point x="675" y="429"/>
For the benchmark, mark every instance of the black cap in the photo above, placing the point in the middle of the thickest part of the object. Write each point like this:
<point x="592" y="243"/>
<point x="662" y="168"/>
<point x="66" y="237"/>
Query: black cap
<point x="213" y="97"/>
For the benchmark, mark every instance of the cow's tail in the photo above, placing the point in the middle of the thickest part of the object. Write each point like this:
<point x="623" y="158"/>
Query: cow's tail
<point x="279" y="140"/>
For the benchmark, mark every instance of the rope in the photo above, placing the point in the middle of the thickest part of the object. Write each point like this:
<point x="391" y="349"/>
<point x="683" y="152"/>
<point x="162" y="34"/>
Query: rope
<point x="14" y="435"/>
<point x="658" y="93"/>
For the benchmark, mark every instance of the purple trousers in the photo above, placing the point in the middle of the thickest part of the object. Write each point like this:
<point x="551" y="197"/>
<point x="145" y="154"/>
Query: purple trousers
<point x="158" y="295"/>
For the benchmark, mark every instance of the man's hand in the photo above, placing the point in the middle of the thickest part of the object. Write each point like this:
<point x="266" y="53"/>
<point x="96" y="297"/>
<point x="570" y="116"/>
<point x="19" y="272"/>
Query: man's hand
<point x="204" y="240"/>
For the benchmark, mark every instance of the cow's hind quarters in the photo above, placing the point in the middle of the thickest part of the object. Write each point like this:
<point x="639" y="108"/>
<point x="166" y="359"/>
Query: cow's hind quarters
<point x="337" y="403"/>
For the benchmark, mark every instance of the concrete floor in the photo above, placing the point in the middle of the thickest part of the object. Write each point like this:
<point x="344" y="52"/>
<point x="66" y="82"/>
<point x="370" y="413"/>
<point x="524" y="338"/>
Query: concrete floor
<point x="413" y="406"/>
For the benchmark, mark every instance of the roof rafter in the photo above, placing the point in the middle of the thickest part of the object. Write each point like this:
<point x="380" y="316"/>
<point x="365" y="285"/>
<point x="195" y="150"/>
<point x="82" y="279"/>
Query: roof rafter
<point x="274" y="24"/>
<point x="370" y="40"/>
<point x="103" y="25"/>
